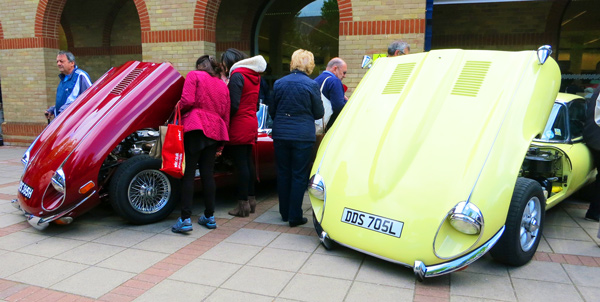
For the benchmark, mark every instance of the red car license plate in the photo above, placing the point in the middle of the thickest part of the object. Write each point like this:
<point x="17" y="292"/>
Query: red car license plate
<point x="373" y="222"/>
<point x="25" y="190"/>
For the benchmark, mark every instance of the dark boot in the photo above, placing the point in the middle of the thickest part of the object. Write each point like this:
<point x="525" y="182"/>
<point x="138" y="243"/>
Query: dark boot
<point x="252" y="202"/>
<point x="242" y="209"/>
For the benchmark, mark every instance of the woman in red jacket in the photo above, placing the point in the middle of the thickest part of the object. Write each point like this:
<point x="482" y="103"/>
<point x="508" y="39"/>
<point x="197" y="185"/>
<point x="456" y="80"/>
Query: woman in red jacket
<point x="244" y="84"/>
<point x="204" y="109"/>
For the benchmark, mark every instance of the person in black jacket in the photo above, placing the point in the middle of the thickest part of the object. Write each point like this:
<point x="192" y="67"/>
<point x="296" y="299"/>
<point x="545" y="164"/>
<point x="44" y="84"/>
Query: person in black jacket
<point x="296" y="105"/>
<point x="591" y="136"/>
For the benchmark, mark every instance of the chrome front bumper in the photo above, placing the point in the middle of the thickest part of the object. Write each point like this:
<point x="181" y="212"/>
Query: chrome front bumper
<point x="41" y="223"/>
<point x="422" y="271"/>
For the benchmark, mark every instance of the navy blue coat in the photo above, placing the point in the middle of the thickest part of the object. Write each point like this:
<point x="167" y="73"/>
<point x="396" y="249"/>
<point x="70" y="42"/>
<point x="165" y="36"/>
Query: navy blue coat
<point x="296" y="105"/>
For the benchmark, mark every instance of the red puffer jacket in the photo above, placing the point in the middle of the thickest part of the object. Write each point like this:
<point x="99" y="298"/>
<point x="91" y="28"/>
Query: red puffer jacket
<point x="243" y="124"/>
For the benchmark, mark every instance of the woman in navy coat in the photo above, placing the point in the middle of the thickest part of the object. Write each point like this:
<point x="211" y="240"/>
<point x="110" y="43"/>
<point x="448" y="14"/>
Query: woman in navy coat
<point x="296" y="105"/>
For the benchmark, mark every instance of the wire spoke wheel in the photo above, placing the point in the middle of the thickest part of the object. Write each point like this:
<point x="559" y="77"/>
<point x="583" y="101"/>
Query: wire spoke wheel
<point x="149" y="191"/>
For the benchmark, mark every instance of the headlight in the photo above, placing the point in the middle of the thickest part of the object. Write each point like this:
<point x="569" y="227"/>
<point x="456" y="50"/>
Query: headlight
<point x="316" y="187"/>
<point x="58" y="180"/>
<point x="466" y="218"/>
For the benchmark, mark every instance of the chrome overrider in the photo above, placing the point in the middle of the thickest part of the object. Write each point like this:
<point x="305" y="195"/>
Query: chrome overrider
<point x="41" y="223"/>
<point x="422" y="271"/>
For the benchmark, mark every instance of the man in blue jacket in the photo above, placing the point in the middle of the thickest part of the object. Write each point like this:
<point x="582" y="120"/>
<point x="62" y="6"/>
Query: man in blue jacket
<point x="333" y="88"/>
<point x="73" y="82"/>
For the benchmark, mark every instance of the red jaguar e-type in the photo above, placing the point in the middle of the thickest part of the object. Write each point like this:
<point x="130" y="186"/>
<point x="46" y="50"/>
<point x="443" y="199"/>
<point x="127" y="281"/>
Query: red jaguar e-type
<point x="98" y="149"/>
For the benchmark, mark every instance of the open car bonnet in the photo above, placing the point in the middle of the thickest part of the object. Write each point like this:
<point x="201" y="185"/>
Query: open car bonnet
<point x="425" y="131"/>
<point x="134" y="96"/>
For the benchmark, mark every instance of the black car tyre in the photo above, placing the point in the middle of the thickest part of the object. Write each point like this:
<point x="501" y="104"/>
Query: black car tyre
<point x="524" y="224"/>
<point x="140" y="192"/>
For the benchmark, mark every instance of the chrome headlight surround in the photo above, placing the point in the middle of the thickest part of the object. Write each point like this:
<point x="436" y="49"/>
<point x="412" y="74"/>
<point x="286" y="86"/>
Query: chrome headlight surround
<point x="316" y="187"/>
<point x="466" y="218"/>
<point x="58" y="180"/>
<point x="25" y="158"/>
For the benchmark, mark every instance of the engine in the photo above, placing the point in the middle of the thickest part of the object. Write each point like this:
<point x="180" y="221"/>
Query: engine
<point x="544" y="166"/>
<point x="139" y="142"/>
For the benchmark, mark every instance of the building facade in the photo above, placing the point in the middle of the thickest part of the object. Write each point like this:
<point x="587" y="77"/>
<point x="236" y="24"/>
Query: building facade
<point x="107" y="33"/>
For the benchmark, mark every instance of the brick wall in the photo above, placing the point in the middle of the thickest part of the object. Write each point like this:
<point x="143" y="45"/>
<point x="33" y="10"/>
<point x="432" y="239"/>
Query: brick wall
<point x="107" y="33"/>
<point x="182" y="55"/>
<point x="370" y="26"/>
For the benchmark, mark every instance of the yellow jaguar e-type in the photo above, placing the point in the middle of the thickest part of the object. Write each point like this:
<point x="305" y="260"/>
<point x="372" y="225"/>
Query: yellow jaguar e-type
<point x="440" y="157"/>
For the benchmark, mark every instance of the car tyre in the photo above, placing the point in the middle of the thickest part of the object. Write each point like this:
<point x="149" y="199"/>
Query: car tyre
<point x="140" y="192"/>
<point x="524" y="224"/>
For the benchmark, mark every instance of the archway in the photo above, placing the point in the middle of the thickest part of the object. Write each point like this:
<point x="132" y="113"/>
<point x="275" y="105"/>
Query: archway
<point x="87" y="29"/>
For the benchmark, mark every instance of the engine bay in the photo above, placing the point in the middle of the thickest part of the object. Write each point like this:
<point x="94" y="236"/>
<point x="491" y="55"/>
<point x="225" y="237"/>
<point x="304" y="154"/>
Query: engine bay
<point x="545" y="165"/>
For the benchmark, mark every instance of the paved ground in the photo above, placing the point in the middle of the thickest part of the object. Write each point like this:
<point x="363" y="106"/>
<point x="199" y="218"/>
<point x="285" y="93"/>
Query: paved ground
<point x="260" y="258"/>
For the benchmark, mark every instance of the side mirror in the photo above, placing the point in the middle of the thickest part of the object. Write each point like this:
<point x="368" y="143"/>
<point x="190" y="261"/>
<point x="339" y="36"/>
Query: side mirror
<point x="367" y="62"/>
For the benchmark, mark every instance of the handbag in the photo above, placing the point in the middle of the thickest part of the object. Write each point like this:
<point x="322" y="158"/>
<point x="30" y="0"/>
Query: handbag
<point x="156" y="151"/>
<point x="320" y="124"/>
<point x="173" y="154"/>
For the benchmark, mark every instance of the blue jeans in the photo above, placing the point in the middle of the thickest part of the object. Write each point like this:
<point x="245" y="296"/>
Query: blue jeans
<point x="294" y="160"/>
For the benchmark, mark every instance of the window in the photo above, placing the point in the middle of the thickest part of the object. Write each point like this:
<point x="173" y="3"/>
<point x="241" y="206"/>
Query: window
<point x="286" y="26"/>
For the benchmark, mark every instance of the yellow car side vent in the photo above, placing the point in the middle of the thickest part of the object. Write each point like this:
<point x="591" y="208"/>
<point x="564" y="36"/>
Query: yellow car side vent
<point x="471" y="78"/>
<point x="399" y="78"/>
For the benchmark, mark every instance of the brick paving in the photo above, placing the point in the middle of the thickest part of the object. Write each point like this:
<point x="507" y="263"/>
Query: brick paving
<point x="270" y="260"/>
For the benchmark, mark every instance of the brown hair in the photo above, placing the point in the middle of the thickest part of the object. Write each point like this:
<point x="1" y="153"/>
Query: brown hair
<point x="209" y="64"/>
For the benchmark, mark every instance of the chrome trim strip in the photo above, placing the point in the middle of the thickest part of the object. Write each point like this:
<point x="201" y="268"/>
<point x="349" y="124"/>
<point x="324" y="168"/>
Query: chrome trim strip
<point x="423" y="271"/>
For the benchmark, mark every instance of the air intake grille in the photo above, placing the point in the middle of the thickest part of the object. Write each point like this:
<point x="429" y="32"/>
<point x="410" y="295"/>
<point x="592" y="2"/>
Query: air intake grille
<point x="126" y="81"/>
<point x="471" y="78"/>
<point x="399" y="78"/>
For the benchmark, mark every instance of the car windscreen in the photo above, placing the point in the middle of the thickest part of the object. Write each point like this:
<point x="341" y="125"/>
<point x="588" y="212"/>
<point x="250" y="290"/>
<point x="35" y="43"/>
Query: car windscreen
<point x="556" y="127"/>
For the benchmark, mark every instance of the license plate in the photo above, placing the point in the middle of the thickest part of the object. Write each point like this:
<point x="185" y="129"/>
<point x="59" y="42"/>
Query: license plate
<point x="25" y="190"/>
<point x="373" y="222"/>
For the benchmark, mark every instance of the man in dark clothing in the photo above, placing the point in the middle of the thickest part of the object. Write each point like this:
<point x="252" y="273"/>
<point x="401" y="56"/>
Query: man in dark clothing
<point x="591" y="136"/>
<point x="333" y="89"/>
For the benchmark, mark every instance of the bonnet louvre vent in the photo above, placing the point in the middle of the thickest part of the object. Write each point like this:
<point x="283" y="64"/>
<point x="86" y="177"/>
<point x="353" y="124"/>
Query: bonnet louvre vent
<point x="471" y="78"/>
<point x="399" y="78"/>
<point x="126" y="81"/>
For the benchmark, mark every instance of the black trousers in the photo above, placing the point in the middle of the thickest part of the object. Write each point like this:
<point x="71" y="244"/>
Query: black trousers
<point x="200" y="153"/>
<point x="244" y="165"/>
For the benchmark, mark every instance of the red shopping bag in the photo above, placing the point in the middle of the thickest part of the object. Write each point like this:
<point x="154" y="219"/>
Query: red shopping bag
<point x="173" y="157"/>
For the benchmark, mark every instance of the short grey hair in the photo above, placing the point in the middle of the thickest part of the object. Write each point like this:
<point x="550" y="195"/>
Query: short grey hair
<point x="335" y="62"/>
<point x="69" y="55"/>
<point x="397" y="45"/>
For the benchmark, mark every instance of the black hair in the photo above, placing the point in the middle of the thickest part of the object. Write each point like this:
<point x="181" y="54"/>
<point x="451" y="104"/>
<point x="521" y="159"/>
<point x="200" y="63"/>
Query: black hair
<point x="230" y="57"/>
